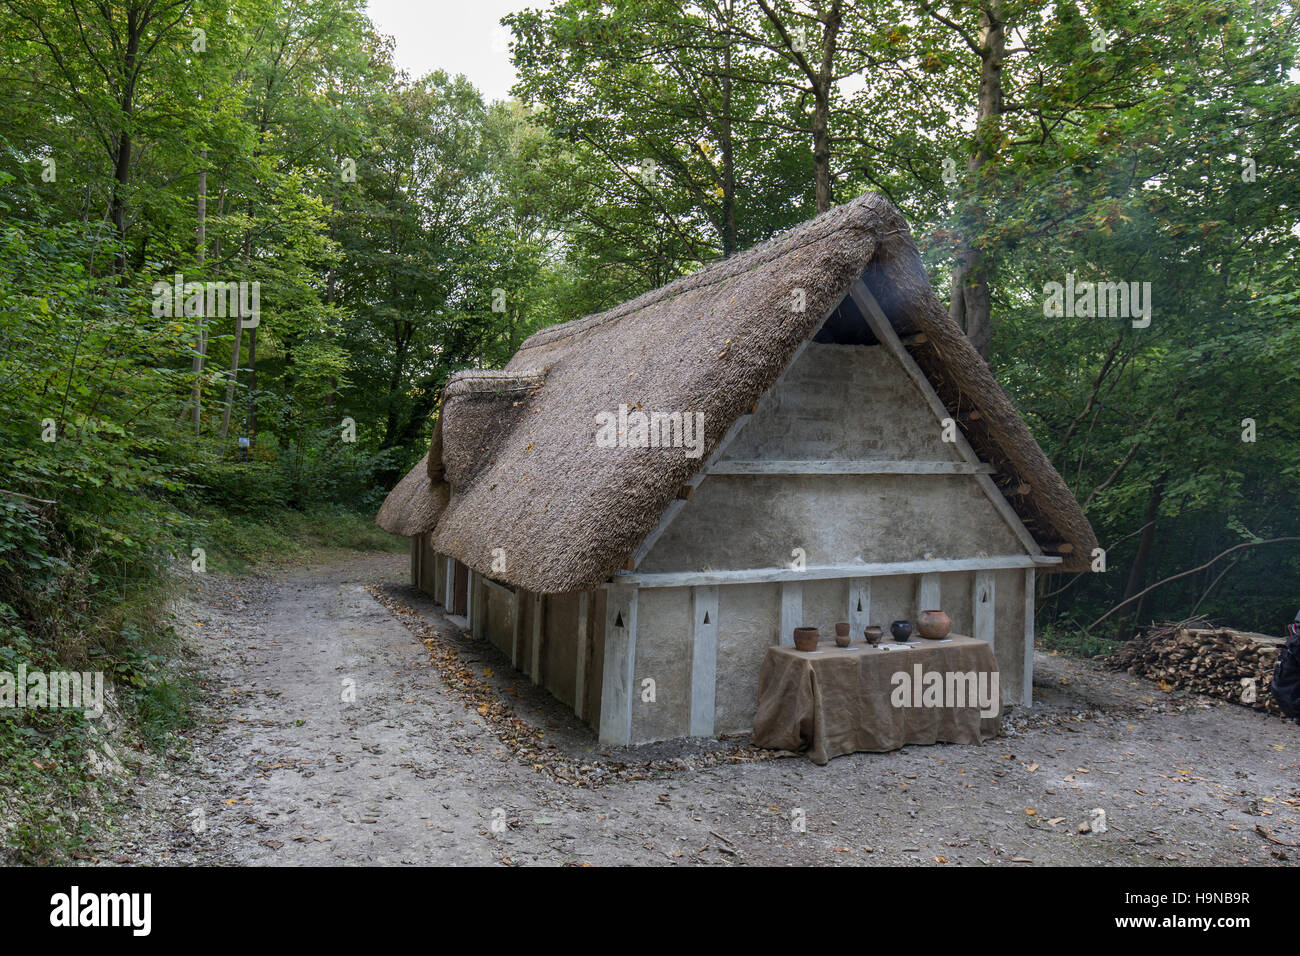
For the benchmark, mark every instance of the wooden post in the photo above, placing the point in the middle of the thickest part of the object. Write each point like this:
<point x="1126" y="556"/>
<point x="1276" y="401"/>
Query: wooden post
<point x="859" y="605"/>
<point x="983" y="601"/>
<point x="477" y="602"/>
<point x="584" y="648"/>
<point x="927" y="593"/>
<point x="1027" y="688"/>
<point x="704" y="660"/>
<point x="539" y="608"/>
<point x="427" y="582"/>
<point x="620" y="662"/>
<point x="415" y="560"/>
<point x="791" y="610"/>
<point x="471" y="611"/>
<point x="449" y="604"/>
<point x="519" y="623"/>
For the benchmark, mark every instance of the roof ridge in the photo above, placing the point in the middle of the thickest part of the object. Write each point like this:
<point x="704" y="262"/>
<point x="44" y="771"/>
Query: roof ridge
<point x="491" y="381"/>
<point x="851" y="215"/>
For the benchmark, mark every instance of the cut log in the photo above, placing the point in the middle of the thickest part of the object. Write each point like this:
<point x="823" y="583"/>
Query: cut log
<point x="1231" y="665"/>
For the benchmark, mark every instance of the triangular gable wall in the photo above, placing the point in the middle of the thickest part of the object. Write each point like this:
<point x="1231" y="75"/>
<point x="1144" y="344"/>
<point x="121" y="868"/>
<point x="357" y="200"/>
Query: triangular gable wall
<point x="844" y="460"/>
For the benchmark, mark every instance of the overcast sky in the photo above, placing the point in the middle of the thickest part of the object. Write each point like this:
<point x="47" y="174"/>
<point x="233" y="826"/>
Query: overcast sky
<point x="459" y="36"/>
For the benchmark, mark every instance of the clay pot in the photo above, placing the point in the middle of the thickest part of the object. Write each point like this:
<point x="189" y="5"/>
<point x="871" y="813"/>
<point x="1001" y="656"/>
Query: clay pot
<point x="872" y="634"/>
<point x="805" y="638"/>
<point x="842" y="638"/>
<point x="901" y="630"/>
<point x="934" y="625"/>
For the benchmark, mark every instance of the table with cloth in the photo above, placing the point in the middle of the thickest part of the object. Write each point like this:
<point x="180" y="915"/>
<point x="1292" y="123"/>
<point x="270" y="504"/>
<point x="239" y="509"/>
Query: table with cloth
<point x="837" y="700"/>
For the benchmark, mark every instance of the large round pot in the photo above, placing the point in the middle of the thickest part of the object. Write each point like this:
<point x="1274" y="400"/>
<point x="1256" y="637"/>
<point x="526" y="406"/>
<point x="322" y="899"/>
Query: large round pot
<point x="901" y="630"/>
<point x="934" y="625"/>
<point x="805" y="638"/>
<point x="842" y="638"/>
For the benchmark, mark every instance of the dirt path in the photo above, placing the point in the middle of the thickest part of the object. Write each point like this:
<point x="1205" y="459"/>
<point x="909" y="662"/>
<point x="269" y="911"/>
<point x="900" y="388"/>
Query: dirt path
<point x="284" y="771"/>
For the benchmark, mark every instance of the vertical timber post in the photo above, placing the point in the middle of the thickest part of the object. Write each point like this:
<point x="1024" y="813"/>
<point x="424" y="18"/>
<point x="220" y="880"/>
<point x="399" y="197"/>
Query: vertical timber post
<point x="984" y="599"/>
<point x="620" y="662"/>
<point x="791" y="610"/>
<point x="704" y="659"/>
<point x="1027" y="688"/>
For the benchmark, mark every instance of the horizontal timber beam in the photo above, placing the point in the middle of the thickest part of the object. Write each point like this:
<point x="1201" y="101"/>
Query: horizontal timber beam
<point x="843" y="467"/>
<point x="504" y="589"/>
<point x="676" y="579"/>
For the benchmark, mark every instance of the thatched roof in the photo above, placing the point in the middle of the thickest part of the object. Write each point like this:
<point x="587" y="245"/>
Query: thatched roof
<point x="412" y="507"/>
<point x="519" y="447"/>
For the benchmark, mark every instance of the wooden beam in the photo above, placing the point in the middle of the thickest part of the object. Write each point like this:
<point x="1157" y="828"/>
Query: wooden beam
<point x="428" y="567"/>
<point x="1027" y="687"/>
<point x="791" y="608"/>
<point x="620" y="662"/>
<point x="927" y="593"/>
<point x="674" y="508"/>
<point x="704" y="660"/>
<point x="584" y="649"/>
<point x="518" y="623"/>
<point x="983" y="605"/>
<point x="449" y="601"/>
<point x="736" y="428"/>
<point x="471" y="610"/>
<point x="480" y="607"/>
<point x="685" y="492"/>
<point x="539" y="611"/>
<point x="742" y="466"/>
<point x="496" y="586"/>
<point x="859" y="605"/>
<point x="884" y="331"/>
<point x="677" y="579"/>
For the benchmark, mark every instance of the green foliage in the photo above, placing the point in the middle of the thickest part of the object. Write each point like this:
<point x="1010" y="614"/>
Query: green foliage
<point x="236" y="543"/>
<point x="400" y="229"/>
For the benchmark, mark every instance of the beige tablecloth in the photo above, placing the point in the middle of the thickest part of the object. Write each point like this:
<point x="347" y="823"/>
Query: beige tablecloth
<point x="839" y="700"/>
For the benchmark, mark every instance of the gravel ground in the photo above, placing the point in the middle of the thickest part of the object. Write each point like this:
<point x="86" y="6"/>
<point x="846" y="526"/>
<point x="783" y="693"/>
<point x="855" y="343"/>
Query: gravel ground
<point x="479" y="768"/>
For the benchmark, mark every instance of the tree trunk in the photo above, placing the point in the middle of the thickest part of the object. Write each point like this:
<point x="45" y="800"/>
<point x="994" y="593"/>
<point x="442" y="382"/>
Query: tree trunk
<point x="250" y="427"/>
<point x="822" y="89"/>
<point x="234" y="350"/>
<point x="970" y="303"/>
<point x="729" y="237"/>
<point x="201" y="355"/>
<point x="136" y="21"/>
<point x="1137" y="574"/>
<point x="121" y="176"/>
<point x="234" y="376"/>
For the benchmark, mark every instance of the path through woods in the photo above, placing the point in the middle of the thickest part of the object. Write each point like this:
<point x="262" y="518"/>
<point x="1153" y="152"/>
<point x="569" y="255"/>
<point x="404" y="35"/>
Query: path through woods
<point x="282" y="771"/>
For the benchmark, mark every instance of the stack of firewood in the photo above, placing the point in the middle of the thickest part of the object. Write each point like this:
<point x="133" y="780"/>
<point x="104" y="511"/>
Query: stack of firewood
<point x="1196" y="656"/>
